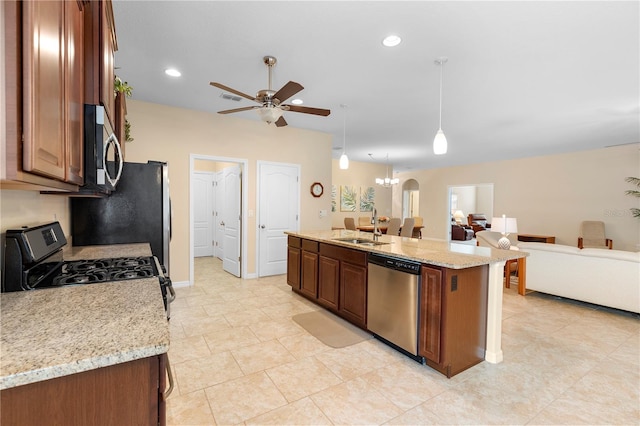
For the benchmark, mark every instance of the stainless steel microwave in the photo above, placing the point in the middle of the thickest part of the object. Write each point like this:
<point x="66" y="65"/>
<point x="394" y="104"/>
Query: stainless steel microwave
<point x="103" y="160"/>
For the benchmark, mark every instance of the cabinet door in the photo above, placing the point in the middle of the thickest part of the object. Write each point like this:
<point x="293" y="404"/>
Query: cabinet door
<point x="108" y="48"/>
<point x="328" y="282"/>
<point x="309" y="274"/>
<point x="430" y="314"/>
<point x="353" y="293"/>
<point x="74" y="93"/>
<point x="44" y="85"/>
<point x="293" y="267"/>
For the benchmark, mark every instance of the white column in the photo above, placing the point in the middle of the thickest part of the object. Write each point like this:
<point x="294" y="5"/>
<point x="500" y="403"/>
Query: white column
<point x="493" y="354"/>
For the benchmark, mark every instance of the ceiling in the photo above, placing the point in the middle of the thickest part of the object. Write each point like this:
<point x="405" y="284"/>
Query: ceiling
<point x="522" y="78"/>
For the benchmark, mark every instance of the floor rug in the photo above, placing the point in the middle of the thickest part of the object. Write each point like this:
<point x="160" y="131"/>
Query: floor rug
<point x="331" y="330"/>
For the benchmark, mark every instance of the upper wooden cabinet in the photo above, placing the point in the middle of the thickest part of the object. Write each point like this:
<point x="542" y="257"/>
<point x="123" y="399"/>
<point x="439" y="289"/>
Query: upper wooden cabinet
<point x="99" y="50"/>
<point x="52" y="81"/>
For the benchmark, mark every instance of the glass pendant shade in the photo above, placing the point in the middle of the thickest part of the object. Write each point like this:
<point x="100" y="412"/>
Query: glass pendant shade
<point x="344" y="161"/>
<point x="440" y="143"/>
<point x="269" y="114"/>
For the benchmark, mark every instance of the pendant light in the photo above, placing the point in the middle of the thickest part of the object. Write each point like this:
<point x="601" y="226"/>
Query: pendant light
<point x="344" y="160"/>
<point x="440" y="141"/>
<point x="387" y="181"/>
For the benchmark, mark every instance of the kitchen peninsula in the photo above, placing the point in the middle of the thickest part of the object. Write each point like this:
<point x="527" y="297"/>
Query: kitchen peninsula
<point x="460" y="289"/>
<point x="89" y="352"/>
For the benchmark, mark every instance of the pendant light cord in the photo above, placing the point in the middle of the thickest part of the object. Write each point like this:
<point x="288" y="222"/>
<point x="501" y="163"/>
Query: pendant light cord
<point x="441" y="66"/>
<point x="344" y="130"/>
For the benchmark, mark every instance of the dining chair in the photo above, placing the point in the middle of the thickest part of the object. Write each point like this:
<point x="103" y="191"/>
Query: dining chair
<point x="393" y="228"/>
<point x="407" y="227"/>
<point x="350" y="223"/>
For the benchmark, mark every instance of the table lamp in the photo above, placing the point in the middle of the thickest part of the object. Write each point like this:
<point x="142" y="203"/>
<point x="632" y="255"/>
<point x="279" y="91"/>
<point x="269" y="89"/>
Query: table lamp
<point x="505" y="225"/>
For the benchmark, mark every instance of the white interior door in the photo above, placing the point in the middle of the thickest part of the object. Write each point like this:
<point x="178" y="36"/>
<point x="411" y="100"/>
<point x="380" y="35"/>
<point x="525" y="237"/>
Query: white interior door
<point x="203" y="214"/>
<point x="218" y="216"/>
<point x="278" y="209"/>
<point x="232" y="219"/>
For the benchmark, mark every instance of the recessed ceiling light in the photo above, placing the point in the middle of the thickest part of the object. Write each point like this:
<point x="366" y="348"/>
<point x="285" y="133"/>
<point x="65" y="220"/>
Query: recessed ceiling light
<point x="391" y="41"/>
<point x="297" y="102"/>
<point x="172" y="72"/>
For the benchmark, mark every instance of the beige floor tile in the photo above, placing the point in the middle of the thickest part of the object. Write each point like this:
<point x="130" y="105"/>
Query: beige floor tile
<point x="261" y="356"/>
<point x="303" y="345"/>
<point x="230" y="338"/>
<point x="200" y="373"/>
<point x="355" y="402"/>
<point x="246" y="316"/>
<point x="244" y="398"/>
<point x="350" y="362"/>
<point x="189" y="409"/>
<point x="301" y="378"/>
<point x="301" y="412"/>
<point x="204" y="325"/>
<point x="274" y="329"/>
<point x="181" y="350"/>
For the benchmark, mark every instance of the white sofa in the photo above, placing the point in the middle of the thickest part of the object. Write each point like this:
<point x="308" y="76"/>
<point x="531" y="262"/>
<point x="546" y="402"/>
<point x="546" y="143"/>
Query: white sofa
<point x="600" y="276"/>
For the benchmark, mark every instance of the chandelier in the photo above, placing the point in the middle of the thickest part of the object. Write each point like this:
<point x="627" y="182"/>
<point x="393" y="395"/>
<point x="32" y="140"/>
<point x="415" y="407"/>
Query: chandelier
<point x="387" y="181"/>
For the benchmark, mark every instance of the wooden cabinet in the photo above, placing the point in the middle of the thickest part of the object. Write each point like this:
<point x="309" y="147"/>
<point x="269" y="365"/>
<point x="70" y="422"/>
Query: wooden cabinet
<point x="53" y="89"/>
<point x="122" y="394"/>
<point x="309" y="269"/>
<point x="294" y="253"/>
<point x="453" y="317"/>
<point x="353" y="292"/>
<point x="329" y="282"/>
<point x="99" y="51"/>
<point x="44" y="94"/>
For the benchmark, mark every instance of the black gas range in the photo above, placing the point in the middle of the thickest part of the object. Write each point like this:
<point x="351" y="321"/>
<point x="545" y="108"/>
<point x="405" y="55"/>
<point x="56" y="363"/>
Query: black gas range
<point x="33" y="260"/>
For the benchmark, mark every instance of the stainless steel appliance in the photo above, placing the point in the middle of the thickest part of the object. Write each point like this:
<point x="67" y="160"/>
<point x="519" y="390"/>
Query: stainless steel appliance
<point x="102" y="155"/>
<point x="33" y="260"/>
<point x="139" y="211"/>
<point x="393" y="302"/>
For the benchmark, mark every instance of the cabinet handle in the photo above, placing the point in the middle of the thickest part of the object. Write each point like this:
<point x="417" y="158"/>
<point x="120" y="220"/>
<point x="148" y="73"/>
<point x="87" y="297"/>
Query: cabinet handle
<point x="166" y="393"/>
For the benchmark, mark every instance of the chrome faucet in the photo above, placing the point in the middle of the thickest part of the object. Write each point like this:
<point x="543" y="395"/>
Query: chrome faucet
<point x="374" y="219"/>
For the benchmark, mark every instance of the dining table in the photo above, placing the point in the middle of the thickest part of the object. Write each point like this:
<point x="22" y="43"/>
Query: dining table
<point x="417" y="230"/>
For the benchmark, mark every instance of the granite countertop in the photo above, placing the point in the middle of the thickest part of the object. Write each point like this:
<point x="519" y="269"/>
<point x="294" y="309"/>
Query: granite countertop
<point x="106" y="251"/>
<point x="55" y="332"/>
<point x="434" y="252"/>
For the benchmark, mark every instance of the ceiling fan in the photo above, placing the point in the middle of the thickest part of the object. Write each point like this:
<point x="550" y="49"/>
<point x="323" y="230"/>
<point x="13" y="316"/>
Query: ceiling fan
<point x="272" y="106"/>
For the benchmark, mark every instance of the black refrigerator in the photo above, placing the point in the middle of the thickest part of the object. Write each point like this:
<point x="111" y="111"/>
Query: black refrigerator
<point x="138" y="211"/>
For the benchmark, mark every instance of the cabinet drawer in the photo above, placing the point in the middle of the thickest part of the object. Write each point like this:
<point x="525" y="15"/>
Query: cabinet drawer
<point x="309" y="245"/>
<point x="356" y="257"/>
<point x="294" y="241"/>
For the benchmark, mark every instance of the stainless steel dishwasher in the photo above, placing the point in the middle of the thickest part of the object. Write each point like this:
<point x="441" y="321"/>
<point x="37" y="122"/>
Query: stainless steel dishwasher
<point x="393" y="298"/>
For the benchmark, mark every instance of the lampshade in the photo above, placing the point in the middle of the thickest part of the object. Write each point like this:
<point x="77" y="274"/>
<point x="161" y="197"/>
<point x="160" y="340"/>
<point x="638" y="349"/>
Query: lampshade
<point x="458" y="216"/>
<point x="387" y="181"/>
<point x="505" y="225"/>
<point x="269" y="114"/>
<point x="440" y="143"/>
<point x="344" y="162"/>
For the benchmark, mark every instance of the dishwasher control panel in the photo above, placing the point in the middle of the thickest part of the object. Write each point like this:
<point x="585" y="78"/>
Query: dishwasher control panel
<point x="398" y="264"/>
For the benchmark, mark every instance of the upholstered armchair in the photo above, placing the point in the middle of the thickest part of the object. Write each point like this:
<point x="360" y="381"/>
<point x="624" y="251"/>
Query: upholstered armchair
<point x="592" y="235"/>
<point x="478" y="222"/>
<point x="461" y="232"/>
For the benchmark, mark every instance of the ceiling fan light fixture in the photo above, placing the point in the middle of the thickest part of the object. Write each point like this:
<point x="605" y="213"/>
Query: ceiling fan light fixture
<point x="391" y="40"/>
<point x="269" y="114"/>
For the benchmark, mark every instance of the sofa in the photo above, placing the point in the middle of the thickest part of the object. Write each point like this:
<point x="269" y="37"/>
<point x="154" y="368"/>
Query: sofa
<point x="599" y="276"/>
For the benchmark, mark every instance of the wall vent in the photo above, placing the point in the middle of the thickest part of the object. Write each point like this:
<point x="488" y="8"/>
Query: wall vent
<point x="230" y="97"/>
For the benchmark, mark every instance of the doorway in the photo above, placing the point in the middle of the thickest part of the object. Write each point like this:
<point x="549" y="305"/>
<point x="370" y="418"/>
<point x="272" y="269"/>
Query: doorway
<point x="229" y="173"/>
<point x="466" y="199"/>
<point x="410" y="198"/>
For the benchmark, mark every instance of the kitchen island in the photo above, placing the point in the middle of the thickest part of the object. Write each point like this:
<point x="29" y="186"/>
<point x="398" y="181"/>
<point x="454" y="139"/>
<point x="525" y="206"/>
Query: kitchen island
<point x="309" y="252"/>
<point x="80" y="348"/>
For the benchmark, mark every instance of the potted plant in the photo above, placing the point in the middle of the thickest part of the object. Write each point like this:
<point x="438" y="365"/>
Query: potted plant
<point x="123" y="87"/>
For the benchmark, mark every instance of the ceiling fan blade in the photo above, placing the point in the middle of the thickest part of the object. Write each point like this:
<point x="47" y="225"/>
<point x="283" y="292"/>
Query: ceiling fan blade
<point x="229" y="89"/>
<point x="281" y="122"/>
<point x="229" y="111"/>
<point x="309" y="110"/>
<point x="288" y="90"/>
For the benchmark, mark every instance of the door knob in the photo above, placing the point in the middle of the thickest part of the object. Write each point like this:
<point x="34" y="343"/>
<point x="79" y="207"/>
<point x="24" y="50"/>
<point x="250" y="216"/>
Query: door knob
<point x="222" y="223"/>
<point x="262" y="226"/>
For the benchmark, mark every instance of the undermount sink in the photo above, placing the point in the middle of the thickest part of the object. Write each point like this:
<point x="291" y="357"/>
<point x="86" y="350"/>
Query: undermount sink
<point x="361" y="241"/>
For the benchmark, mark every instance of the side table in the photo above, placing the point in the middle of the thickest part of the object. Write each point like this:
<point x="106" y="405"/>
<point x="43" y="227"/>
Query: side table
<point x="531" y="238"/>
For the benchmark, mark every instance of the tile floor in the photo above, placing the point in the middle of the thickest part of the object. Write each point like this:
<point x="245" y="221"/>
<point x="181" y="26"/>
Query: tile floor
<point x="239" y="359"/>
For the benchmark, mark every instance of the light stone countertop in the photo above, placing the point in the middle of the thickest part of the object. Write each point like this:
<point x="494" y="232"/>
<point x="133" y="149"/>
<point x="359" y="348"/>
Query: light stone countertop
<point x="433" y="252"/>
<point x="55" y="332"/>
<point x="106" y="251"/>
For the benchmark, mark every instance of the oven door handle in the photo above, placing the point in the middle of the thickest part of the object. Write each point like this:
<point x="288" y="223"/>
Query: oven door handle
<point x="166" y="393"/>
<point x="173" y="293"/>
